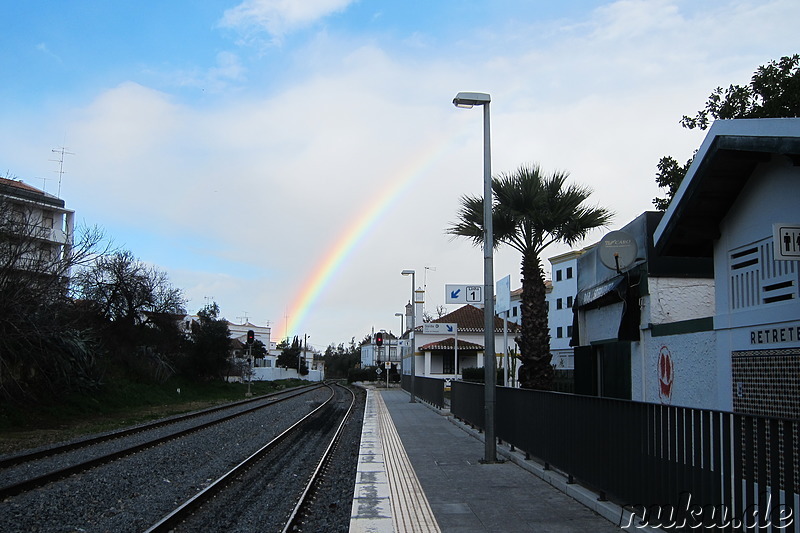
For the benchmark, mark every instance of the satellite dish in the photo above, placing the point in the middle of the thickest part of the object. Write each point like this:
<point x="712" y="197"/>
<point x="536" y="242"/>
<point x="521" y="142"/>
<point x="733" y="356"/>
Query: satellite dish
<point x="618" y="250"/>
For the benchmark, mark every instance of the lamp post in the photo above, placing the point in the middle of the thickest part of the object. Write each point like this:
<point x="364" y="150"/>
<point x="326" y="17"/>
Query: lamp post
<point x="411" y="327"/>
<point x="303" y="355"/>
<point x="400" y="348"/>
<point x="469" y="100"/>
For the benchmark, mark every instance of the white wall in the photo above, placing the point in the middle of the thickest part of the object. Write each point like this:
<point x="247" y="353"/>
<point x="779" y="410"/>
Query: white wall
<point x="679" y="370"/>
<point x="272" y="374"/>
<point x="676" y="299"/>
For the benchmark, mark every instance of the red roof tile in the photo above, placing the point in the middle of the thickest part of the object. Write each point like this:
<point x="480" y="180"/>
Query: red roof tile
<point x="449" y="344"/>
<point x="19" y="185"/>
<point x="470" y="320"/>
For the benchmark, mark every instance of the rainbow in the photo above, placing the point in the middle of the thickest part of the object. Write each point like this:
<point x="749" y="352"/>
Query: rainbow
<point x="348" y="241"/>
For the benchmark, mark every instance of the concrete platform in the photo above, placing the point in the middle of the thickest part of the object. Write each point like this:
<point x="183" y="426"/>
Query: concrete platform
<point x="419" y="471"/>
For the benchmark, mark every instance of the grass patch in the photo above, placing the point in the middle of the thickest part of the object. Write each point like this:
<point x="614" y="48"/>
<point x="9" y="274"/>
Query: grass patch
<point x="120" y="404"/>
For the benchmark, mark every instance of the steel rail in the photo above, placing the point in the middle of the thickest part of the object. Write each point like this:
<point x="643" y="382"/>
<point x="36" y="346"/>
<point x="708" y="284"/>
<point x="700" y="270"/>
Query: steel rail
<point x="18" y="459"/>
<point x="323" y="462"/>
<point x="44" y="479"/>
<point x="174" y="518"/>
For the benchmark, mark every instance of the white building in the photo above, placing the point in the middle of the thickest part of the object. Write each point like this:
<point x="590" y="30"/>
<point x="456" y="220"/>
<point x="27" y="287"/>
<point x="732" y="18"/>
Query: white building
<point x="561" y="298"/>
<point x="374" y="355"/>
<point x="260" y="333"/>
<point x="738" y="207"/>
<point x="708" y="315"/>
<point x="45" y="219"/>
<point x="444" y="355"/>
<point x="622" y="315"/>
<point x="560" y="295"/>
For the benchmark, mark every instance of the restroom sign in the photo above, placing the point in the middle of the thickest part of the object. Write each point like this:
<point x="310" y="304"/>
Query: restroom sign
<point x="786" y="241"/>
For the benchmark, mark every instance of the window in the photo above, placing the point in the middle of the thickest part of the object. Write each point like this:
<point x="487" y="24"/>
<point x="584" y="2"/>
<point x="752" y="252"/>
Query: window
<point x="447" y="364"/>
<point x="569" y="272"/>
<point x="559" y="332"/>
<point x="514" y="311"/>
<point x="569" y="301"/>
<point x="569" y="331"/>
<point x="558" y="275"/>
<point x="559" y="304"/>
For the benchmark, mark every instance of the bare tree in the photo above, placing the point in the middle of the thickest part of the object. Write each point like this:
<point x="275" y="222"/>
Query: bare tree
<point x="124" y="289"/>
<point x="41" y="346"/>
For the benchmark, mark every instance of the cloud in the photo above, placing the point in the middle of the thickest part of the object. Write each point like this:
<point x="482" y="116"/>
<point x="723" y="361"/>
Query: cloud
<point x="242" y="198"/>
<point x="42" y="47"/>
<point x="278" y="17"/>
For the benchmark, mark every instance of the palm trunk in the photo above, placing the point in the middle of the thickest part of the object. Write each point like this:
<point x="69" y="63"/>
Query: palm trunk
<point x="535" y="371"/>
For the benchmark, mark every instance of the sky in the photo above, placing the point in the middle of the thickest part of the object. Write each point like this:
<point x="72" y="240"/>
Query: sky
<point x="289" y="159"/>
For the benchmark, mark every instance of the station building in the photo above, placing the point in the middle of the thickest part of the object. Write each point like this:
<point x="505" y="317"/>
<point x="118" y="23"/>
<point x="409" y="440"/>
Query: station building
<point x="707" y="315"/>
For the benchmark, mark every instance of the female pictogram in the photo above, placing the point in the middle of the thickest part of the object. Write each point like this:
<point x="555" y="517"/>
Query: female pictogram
<point x="666" y="374"/>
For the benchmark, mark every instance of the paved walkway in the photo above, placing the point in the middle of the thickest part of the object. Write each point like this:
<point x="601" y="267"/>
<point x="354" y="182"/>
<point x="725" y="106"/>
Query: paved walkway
<point x="465" y="495"/>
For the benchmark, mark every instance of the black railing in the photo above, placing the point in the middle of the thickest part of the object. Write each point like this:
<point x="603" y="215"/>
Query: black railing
<point x="672" y="464"/>
<point x="430" y="390"/>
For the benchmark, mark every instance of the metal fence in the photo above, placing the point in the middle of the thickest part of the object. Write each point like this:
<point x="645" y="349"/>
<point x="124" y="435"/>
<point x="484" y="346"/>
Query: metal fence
<point x="674" y="466"/>
<point x="430" y="390"/>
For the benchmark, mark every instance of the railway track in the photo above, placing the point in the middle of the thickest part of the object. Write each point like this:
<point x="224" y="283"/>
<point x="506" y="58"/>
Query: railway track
<point x="98" y="450"/>
<point x="134" y="492"/>
<point x="272" y="489"/>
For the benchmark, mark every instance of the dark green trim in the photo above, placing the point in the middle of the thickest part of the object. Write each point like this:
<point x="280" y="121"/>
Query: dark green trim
<point x="604" y="341"/>
<point x="681" y="328"/>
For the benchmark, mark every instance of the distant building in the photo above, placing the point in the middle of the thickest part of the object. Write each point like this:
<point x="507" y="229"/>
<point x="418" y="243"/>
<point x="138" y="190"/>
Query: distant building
<point x="239" y="332"/>
<point x="561" y="298"/>
<point x="373" y="355"/>
<point x="444" y="355"/>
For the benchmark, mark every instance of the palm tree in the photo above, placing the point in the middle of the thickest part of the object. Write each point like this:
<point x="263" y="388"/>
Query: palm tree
<point x="532" y="210"/>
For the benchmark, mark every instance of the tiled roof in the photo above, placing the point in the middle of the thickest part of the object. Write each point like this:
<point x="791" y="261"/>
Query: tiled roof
<point x="449" y="344"/>
<point x="470" y="320"/>
<point x="19" y="185"/>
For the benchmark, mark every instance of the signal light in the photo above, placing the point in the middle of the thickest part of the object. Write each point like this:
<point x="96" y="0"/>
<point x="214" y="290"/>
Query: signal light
<point x="379" y="338"/>
<point x="251" y="336"/>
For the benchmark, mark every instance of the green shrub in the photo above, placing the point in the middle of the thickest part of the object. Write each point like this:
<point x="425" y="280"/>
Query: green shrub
<point x="476" y="375"/>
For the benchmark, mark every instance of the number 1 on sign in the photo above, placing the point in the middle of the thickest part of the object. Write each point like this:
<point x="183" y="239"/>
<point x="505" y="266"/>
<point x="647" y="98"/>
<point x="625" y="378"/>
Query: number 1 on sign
<point x="474" y="294"/>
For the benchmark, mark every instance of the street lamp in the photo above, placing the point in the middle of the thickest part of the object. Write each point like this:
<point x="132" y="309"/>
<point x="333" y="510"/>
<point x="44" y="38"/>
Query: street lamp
<point x="411" y="326"/>
<point x="400" y="348"/>
<point x="469" y="100"/>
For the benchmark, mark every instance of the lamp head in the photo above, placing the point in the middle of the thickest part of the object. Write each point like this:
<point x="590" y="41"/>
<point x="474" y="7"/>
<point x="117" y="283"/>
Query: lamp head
<point x="407" y="272"/>
<point x="468" y="100"/>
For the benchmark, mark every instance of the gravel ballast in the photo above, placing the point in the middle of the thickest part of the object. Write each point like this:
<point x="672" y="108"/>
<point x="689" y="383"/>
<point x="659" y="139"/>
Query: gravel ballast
<point x="135" y="492"/>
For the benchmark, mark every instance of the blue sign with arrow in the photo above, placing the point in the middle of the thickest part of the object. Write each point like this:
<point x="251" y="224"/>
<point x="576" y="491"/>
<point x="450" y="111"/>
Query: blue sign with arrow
<point x="463" y="294"/>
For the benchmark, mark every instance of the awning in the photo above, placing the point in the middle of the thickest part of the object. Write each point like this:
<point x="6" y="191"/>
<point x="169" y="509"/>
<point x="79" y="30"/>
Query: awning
<point x="592" y="295"/>
<point x="625" y="289"/>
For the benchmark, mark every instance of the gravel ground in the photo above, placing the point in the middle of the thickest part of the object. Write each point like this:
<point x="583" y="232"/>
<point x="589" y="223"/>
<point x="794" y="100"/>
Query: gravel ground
<point x="62" y="460"/>
<point x="263" y="498"/>
<point x="133" y="493"/>
<point x="332" y="505"/>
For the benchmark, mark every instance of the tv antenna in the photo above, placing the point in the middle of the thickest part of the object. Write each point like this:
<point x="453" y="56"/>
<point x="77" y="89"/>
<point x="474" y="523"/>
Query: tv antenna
<point x="44" y="183"/>
<point x="62" y="152"/>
